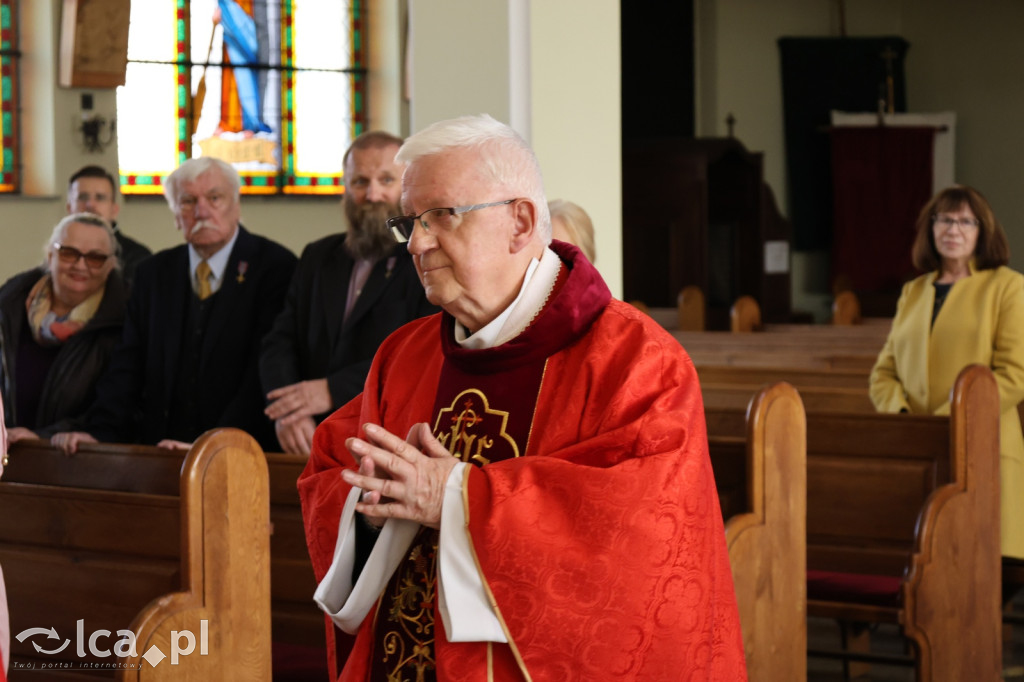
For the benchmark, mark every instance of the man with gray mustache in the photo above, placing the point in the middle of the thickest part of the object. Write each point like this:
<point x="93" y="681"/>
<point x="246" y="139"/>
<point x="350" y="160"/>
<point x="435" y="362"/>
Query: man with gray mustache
<point x="188" y="358"/>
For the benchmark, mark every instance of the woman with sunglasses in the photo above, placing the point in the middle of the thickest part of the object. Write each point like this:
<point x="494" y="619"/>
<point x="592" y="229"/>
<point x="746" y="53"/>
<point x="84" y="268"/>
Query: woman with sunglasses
<point x="967" y="308"/>
<point x="59" y="324"/>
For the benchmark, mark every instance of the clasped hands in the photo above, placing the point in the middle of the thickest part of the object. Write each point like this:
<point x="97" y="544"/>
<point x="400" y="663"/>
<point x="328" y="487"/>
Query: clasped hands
<point x="401" y="479"/>
<point x="292" y="408"/>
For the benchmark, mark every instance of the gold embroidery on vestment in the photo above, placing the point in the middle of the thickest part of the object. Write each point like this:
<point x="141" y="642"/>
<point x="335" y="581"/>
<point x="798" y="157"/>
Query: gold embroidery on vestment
<point x="409" y="641"/>
<point x="454" y="425"/>
<point x="470" y="430"/>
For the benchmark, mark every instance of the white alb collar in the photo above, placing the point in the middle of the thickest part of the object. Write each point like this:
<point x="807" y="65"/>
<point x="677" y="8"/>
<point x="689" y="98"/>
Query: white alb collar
<point x="533" y="294"/>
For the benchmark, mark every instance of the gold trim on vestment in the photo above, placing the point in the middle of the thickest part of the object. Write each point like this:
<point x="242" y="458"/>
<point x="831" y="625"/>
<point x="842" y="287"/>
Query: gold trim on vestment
<point x="533" y="415"/>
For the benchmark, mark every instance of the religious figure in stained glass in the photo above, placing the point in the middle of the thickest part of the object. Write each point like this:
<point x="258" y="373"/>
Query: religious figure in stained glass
<point x="241" y="44"/>
<point x="235" y="126"/>
<point x="274" y="87"/>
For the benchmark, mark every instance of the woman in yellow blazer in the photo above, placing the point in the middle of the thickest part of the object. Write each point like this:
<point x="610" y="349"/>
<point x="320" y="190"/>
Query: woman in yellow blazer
<point x="968" y="308"/>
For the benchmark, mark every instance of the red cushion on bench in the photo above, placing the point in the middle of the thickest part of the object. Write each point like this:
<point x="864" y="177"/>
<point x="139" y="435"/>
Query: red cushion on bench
<point x="880" y="590"/>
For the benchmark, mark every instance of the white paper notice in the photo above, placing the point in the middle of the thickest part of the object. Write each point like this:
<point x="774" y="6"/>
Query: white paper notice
<point x="776" y="257"/>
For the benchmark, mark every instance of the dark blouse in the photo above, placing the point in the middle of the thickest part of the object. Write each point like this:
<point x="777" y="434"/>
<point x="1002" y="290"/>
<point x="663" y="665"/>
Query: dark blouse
<point x="941" y="291"/>
<point x="31" y="369"/>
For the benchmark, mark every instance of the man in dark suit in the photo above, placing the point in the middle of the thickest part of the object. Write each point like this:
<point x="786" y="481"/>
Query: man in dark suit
<point x="349" y="292"/>
<point x="188" y="358"/>
<point x="92" y="189"/>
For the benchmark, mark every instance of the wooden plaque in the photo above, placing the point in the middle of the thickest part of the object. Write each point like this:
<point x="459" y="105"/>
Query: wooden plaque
<point x="94" y="43"/>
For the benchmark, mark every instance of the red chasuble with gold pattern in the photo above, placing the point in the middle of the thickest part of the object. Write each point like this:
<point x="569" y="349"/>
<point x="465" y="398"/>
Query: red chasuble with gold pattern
<point x="591" y="511"/>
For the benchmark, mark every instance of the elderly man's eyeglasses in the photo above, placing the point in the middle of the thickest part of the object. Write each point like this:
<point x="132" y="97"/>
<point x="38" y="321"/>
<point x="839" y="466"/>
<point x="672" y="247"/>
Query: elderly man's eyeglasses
<point x="948" y="221"/>
<point x="70" y="255"/>
<point x="443" y="218"/>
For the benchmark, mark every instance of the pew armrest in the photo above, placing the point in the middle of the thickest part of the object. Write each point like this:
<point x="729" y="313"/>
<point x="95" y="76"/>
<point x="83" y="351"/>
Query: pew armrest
<point x="767" y="544"/>
<point x="225" y="600"/>
<point x="953" y="580"/>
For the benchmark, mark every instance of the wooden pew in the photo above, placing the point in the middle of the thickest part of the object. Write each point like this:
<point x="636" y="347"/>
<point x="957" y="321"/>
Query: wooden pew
<point x="745" y="315"/>
<point x="225" y="564"/>
<point x="800" y="377"/>
<point x="821" y="359"/>
<point x="795" y="336"/>
<point x="691" y="309"/>
<point x="96" y="536"/>
<point x="908" y="506"/>
<point x="816" y="349"/>
<point x="761" y="481"/>
<point x="875" y="330"/>
<point x="816" y="399"/>
<point x="846" y="309"/>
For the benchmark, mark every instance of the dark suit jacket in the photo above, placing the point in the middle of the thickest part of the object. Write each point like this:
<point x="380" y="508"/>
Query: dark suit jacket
<point x="135" y="393"/>
<point x="132" y="253"/>
<point x="309" y="341"/>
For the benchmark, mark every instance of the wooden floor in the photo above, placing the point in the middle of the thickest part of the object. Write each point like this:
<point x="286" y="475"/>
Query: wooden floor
<point x="824" y="634"/>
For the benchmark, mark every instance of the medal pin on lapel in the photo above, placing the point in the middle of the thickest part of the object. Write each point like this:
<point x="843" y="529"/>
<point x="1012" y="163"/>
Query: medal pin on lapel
<point x="242" y="267"/>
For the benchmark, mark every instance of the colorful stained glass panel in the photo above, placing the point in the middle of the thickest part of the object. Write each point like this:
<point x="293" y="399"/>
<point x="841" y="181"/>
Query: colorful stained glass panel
<point x="269" y="86"/>
<point x="9" y="176"/>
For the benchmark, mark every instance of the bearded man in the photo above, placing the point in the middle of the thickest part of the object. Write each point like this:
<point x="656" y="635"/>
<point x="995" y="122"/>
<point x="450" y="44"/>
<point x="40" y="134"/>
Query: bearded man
<point x="349" y="292"/>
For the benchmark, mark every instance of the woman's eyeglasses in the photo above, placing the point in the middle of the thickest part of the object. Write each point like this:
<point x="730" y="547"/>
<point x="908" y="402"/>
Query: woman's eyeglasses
<point x="70" y="255"/>
<point x="948" y="221"/>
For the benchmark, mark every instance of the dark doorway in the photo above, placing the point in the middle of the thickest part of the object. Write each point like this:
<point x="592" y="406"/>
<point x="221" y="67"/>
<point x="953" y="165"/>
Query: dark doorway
<point x="657" y="69"/>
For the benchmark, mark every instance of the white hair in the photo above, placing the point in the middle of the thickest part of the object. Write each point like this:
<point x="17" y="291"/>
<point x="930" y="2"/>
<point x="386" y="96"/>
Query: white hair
<point x="60" y="231"/>
<point x="192" y="169"/>
<point x="505" y="158"/>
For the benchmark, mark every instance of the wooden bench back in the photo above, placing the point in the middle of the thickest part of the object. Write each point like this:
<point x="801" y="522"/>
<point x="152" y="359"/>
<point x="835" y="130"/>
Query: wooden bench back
<point x="745" y="315"/>
<point x="816" y="399"/>
<point x="86" y="553"/>
<point x="915" y="497"/>
<point x="691" y="307"/>
<point x="781" y="337"/>
<point x="62" y="561"/>
<point x="762" y="481"/>
<point x="817" y="351"/>
<point x="883" y="468"/>
<point x="799" y="377"/>
<point x="872" y="328"/>
<point x="846" y="308"/>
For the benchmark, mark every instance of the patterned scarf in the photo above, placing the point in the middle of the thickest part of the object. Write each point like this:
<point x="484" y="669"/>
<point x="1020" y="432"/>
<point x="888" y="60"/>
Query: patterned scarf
<point x="47" y="328"/>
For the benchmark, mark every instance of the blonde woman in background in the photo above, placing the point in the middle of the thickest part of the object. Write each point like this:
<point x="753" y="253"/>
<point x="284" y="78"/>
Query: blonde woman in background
<point x="59" y="325"/>
<point x="570" y="223"/>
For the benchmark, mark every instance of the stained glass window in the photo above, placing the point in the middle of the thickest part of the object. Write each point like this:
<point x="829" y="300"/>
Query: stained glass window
<point x="274" y="87"/>
<point x="8" y="96"/>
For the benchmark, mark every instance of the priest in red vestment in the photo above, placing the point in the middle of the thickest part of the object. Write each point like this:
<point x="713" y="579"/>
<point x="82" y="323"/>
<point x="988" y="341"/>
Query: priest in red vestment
<point x="523" y="489"/>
